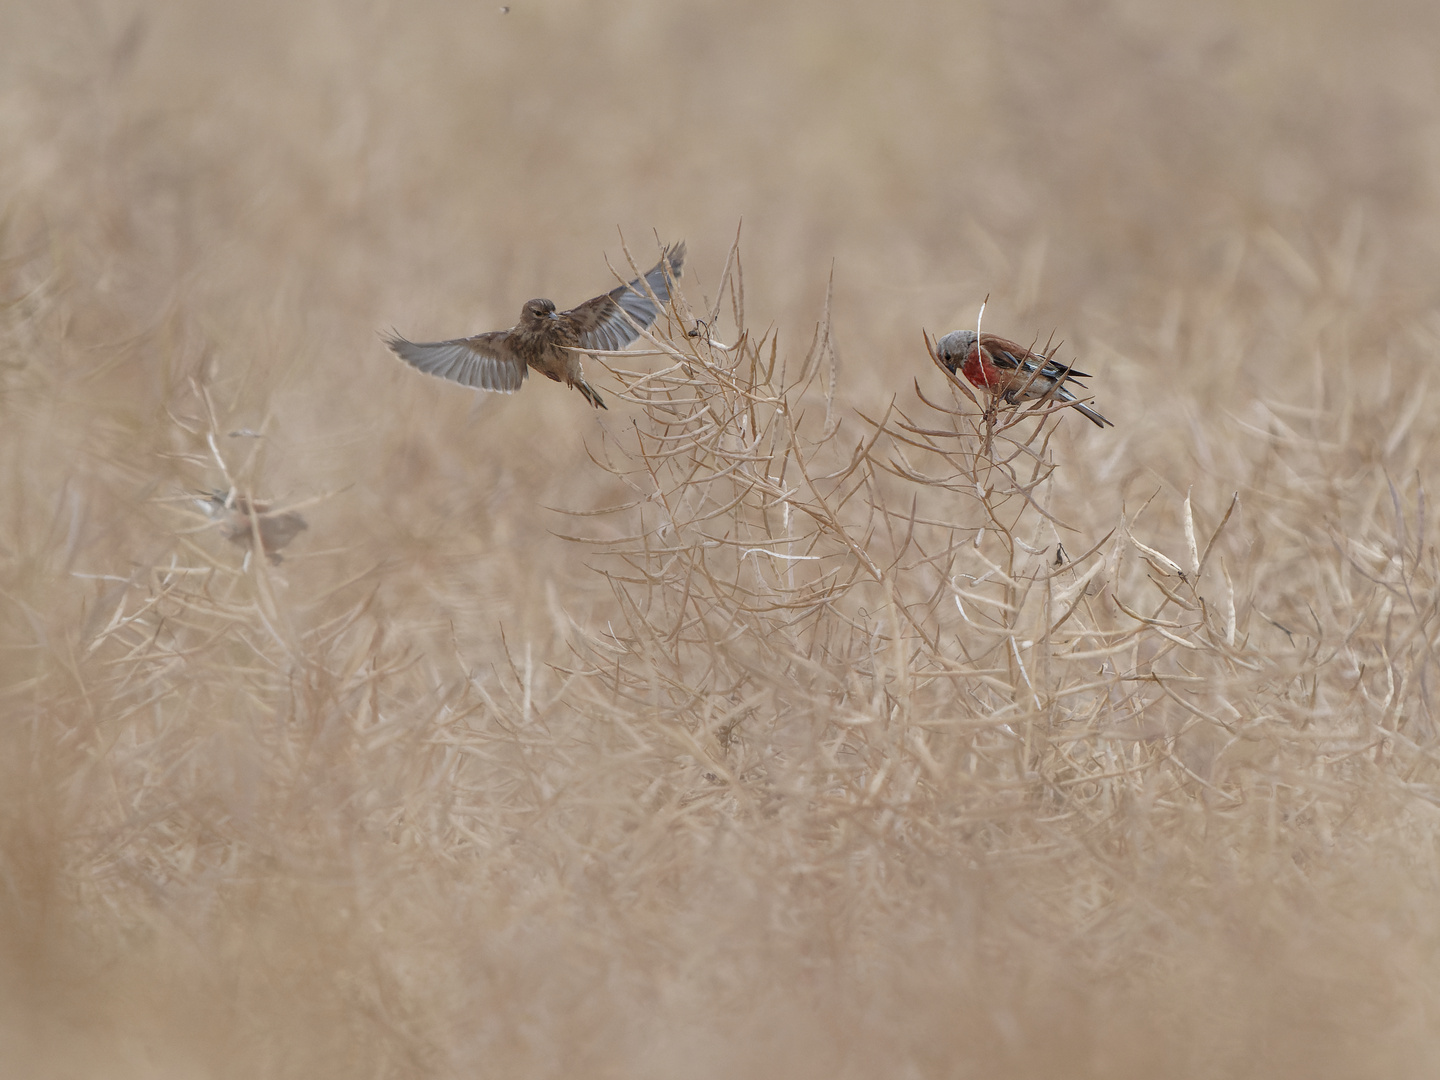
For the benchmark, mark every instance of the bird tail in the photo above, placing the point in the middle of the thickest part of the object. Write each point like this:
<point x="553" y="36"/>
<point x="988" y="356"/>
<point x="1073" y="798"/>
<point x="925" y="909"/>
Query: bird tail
<point x="1059" y="393"/>
<point x="590" y="395"/>
<point x="1090" y="414"/>
<point x="1093" y="416"/>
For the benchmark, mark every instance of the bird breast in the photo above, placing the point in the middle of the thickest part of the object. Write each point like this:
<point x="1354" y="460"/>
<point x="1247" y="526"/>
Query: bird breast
<point x="543" y="348"/>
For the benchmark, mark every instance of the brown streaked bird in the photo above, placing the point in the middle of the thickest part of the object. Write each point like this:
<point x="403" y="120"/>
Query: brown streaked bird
<point x="237" y="515"/>
<point x="543" y="337"/>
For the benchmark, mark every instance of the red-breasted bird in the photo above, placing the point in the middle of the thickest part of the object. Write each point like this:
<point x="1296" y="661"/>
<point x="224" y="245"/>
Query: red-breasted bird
<point x="543" y="337"/>
<point x="1010" y="370"/>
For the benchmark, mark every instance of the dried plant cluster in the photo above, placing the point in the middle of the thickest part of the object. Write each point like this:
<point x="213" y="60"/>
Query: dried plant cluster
<point x="889" y="627"/>
<point x="805" y="714"/>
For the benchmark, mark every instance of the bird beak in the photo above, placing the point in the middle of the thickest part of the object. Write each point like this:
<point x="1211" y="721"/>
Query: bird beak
<point x="554" y="315"/>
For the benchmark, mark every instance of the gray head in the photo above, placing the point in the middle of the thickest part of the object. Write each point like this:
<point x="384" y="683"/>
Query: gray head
<point x="952" y="348"/>
<point x="212" y="502"/>
<point x="538" y="311"/>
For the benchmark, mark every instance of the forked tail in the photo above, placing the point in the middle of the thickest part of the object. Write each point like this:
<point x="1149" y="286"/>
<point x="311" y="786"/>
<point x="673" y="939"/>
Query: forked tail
<point x="590" y="395"/>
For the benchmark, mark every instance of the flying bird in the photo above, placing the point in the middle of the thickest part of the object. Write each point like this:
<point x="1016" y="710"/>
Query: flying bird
<point x="1012" y="371"/>
<point x="545" y="339"/>
<point x="237" y="515"/>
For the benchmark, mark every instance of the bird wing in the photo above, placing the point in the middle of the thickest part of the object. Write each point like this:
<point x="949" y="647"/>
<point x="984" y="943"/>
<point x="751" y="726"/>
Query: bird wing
<point x="484" y="361"/>
<point x="602" y="323"/>
<point x="1007" y="354"/>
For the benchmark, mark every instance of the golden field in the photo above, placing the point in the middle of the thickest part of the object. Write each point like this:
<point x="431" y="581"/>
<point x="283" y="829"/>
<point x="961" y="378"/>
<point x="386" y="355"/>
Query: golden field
<point x="752" y="727"/>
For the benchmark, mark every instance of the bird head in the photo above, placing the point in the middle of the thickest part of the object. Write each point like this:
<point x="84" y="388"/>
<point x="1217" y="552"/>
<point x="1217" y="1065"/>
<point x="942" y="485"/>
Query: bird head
<point x="218" y="502"/>
<point x="212" y="502"/>
<point x="536" y="311"/>
<point x="953" y="348"/>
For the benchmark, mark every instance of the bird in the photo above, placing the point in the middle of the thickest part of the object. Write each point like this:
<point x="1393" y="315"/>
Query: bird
<point x="237" y="515"/>
<point x="545" y="339"/>
<point x="1012" y="371"/>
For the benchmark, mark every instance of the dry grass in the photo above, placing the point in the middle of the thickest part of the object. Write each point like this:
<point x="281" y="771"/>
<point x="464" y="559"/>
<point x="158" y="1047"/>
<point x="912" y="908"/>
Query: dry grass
<point x="751" y="728"/>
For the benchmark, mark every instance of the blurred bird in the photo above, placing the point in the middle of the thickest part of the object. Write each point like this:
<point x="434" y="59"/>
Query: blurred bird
<point x="236" y="515"/>
<point x="543" y="337"/>
<point x="1012" y="371"/>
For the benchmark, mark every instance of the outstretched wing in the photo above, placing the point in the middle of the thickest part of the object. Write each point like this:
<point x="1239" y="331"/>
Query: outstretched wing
<point x="484" y="361"/>
<point x="601" y="323"/>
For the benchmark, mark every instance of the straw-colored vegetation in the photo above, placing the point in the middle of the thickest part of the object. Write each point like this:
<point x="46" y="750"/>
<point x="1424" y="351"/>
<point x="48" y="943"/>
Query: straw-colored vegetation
<point x="797" y="717"/>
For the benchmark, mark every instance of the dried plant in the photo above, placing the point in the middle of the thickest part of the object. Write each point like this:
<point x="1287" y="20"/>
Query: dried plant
<point x="889" y="623"/>
<point x="845" y="722"/>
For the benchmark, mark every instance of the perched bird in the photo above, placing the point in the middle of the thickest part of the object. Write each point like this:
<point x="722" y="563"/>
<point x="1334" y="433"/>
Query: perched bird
<point x="543" y="337"/>
<point x="1010" y="370"/>
<point x="236" y="516"/>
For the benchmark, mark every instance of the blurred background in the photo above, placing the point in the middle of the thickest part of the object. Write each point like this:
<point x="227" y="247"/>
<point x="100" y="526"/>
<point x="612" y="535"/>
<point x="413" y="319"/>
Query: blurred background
<point x="209" y="213"/>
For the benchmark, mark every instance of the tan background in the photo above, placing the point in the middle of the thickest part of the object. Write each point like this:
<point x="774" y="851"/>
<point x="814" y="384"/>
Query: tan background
<point x="346" y="817"/>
